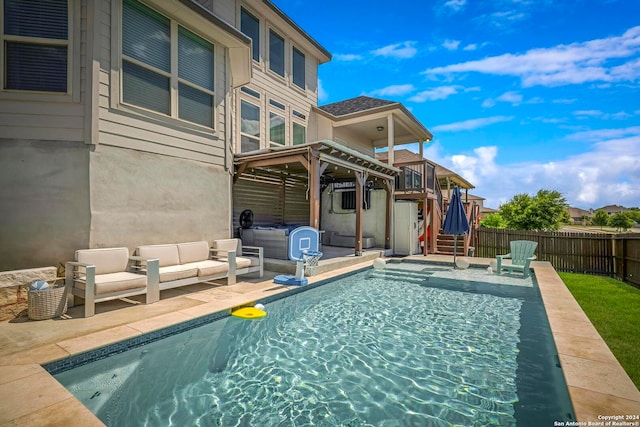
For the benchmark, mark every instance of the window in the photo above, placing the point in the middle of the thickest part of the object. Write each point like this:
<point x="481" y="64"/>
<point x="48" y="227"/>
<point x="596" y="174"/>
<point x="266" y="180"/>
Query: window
<point x="195" y="76"/>
<point x="276" y="53"/>
<point x="250" y="26"/>
<point x="298" y="69"/>
<point x="276" y="129"/>
<point x="36" y="44"/>
<point x="299" y="134"/>
<point x="250" y="92"/>
<point x="249" y="127"/>
<point x="349" y="200"/>
<point x="147" y="72"/>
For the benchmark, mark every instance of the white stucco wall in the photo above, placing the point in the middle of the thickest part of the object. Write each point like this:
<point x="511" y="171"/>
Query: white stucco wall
<point x="142" y="198"/>
<point x="344" y="222"/>
<point x="44" y="202"/>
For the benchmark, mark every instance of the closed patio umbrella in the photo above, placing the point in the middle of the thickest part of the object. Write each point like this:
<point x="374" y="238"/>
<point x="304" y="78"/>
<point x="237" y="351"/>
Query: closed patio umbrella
<point x="455" y="221"/>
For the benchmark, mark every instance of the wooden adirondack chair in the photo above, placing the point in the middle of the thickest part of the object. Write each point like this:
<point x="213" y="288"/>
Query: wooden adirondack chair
<point x="521" y="256"/>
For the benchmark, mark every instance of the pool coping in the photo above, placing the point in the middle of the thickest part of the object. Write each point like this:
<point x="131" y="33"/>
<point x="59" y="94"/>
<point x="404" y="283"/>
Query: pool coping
<point x="598" y="385"/>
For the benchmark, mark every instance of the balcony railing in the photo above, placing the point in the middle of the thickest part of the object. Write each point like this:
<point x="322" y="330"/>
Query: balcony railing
<point x="416" y="177"/>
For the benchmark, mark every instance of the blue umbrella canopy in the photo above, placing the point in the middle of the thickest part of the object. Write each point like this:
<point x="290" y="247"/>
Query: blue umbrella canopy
<point x="455" y="222"/>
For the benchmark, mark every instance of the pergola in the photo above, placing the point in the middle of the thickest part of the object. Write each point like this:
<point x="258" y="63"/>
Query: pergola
<point x="318" y="164"/>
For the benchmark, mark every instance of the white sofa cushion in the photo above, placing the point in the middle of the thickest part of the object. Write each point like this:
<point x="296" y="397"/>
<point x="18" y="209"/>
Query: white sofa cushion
<point x="244" y="262"/>
<point x="227" y="245"/>
<point x="166" y="254"/>
<point x="193" y="251"/>
<point x="209" y="267"/>
<point x="177" y="272"/>
<point x="107" y="260"/>
<point x="116" y="282"/>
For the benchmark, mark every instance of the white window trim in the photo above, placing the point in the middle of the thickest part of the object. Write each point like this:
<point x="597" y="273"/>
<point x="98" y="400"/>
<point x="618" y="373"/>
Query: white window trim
<point x="257" y="103"/>
<point x="272" y="73"/>
<point x="298" y="121"/>
<point x="260" y="34"/>
<point x="117" y="57"/>
<point x="284" y="114"/>
<point x="302" y="90"/>
<point x="73" y="61"/>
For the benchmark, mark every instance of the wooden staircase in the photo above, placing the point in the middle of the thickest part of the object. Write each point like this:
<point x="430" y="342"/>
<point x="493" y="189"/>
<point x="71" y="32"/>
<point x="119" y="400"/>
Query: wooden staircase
<point x="446" y="244"/>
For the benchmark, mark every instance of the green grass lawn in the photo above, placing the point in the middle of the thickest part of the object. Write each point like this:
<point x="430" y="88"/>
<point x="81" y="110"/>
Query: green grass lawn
<point x="614" y="309"/>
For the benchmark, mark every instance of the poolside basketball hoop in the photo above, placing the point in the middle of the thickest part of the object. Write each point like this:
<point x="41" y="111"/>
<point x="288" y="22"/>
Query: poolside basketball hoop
<point x="303" y="249"/>
<point x="311" y="259"/>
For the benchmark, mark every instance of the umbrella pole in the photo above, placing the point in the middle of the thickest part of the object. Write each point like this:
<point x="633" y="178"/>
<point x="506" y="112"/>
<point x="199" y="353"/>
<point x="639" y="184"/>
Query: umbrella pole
<point x="455" y="249"/>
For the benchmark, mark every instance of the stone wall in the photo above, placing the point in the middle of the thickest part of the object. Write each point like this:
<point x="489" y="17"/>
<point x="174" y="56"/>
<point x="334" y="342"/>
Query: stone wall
<point x="14" y="289"/>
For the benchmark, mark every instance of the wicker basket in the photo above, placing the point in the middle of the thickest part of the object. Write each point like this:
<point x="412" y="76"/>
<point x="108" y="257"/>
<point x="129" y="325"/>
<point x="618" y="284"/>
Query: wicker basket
<point x="47" y="304"/>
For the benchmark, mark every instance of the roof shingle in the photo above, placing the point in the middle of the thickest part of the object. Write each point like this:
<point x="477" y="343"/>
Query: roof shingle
<point x="355" y="105"/>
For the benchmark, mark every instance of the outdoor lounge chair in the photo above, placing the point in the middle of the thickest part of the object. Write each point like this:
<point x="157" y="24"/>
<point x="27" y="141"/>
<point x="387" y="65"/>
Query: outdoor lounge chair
<point x="521" y="256"/>
<point x="109" y="273"/>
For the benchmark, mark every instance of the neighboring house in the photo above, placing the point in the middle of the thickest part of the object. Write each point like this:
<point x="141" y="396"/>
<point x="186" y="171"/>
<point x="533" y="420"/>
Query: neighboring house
<point x="579" y="216"/>
<point x="126" y="122"/>
<point x="613" y="209"/>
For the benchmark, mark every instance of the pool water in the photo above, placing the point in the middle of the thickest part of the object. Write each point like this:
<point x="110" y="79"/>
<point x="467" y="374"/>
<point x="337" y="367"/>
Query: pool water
<point x="408" y="345"/>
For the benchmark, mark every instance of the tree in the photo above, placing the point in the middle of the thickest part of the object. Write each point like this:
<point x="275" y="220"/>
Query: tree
<point x="621" y="221"/>
<point x="634" y="214"/>
<point x="600" y="218"/>
<point x="493" y="220"/>
<point x="546" y="211"/>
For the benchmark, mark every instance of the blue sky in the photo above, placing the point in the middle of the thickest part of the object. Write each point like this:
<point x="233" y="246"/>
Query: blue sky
<point x="519" y="94"/>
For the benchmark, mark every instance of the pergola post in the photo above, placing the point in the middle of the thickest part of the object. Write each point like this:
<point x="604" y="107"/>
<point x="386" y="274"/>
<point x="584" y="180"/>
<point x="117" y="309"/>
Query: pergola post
<point x="314" y="191"/>
<point x="387" y="224"/>
<point x="361" y="178"/>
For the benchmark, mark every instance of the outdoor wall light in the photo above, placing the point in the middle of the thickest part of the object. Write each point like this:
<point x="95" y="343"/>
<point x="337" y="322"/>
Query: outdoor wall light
<point x="380" y="128"/>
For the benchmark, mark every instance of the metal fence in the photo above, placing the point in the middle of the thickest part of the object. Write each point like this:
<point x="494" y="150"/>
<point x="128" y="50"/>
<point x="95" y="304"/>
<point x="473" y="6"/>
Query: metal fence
<point x="603" y="254"/>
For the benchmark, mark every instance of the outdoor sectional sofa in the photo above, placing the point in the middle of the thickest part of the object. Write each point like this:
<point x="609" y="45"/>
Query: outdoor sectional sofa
<point x="193" y="262"/>
<point x="110" y="273"/>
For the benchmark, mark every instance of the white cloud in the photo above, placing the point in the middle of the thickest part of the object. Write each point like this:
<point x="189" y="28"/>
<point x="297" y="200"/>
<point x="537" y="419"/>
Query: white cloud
<point x="451" y="44"/>
<point x="514" y="98"/>
<point x="489" y="103"/>
<point x="586" y="114"/>
<point x="394" y="90"/>
<point x="347" y="57"/>
<point x="564" y="101"/>
<point x="471" y="124"/>
<point x="575" y="63"/>
<point x="399" y="50"/>
<point x="604" y="134"/>
<point x="472" y="46"/>
<point x="587" y="180"/>
<point x="322" y="94"/>
<point x="442" y="92"/>
<point x="455" y="5"/>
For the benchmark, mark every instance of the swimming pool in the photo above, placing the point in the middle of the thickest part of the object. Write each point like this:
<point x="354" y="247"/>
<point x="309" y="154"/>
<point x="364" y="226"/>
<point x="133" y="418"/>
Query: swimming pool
<point x="413" y="344"/>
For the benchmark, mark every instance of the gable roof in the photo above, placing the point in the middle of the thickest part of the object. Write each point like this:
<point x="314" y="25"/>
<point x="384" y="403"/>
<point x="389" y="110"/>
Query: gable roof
<point x="355" y="105"/>
<point x="374" y="112"/>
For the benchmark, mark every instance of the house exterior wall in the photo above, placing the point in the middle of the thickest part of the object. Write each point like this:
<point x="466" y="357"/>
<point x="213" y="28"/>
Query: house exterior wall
<point x="146" y="198"/>
<point x="269" y="85"/>
<point x="353" y="140"/>
<point x="44" y="202"/>
<point x="85" y="170"/>
<point x="344" y="222"/>
<point x="132" y="127"/>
